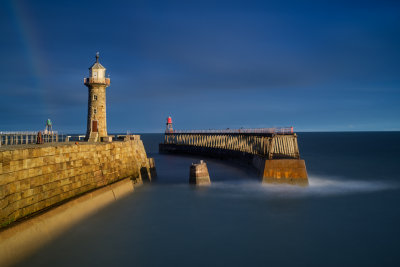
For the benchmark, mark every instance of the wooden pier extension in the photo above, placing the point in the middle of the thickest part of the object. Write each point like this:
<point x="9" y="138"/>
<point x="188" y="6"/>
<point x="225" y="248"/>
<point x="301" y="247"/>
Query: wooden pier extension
<point x="275" y="155"/>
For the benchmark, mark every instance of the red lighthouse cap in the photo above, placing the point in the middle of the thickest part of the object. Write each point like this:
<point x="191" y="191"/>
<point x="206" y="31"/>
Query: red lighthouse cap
<point x="169" y="120"/>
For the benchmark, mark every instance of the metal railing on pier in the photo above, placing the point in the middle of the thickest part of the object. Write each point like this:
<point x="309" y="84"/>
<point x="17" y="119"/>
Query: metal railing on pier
<point x="75" y="137"/>
<point x="275" y="130"/>
<point x="29" y="137"/>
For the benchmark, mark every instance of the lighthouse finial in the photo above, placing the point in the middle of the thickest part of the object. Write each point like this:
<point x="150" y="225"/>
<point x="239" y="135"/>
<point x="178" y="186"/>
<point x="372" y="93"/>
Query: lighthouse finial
<point x="97" y="57"/>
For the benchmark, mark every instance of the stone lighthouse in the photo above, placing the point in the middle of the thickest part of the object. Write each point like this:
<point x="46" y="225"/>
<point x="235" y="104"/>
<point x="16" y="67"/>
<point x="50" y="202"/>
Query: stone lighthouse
<point x="96" y="119"/>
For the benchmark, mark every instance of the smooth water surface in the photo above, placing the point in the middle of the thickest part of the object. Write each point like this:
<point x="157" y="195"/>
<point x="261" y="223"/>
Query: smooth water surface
<point x="349" y="215"/>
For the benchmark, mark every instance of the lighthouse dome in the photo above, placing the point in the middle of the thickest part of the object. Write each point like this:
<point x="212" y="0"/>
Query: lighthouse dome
<point x="97" y="70"/>
<point x="97" y="65"/>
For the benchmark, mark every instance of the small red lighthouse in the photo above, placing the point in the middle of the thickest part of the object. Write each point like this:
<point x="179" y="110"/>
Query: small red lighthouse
<point x="169" y="125"/>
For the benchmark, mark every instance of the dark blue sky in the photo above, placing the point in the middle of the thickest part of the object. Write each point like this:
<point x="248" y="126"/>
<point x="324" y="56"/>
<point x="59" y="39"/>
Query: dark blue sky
<point x="316" y="65"/>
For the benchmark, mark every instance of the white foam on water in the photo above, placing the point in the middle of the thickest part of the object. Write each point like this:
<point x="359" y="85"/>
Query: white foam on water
<point x="335" y="186"/>
<point x="318" y="186"/>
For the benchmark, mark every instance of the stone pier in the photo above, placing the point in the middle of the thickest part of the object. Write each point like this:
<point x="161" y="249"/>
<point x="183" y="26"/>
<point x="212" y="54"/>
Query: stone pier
<point x="36" y="177"/>
<point x="44" y="189"/>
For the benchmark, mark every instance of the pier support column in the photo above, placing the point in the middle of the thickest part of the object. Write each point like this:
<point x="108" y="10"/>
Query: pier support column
<point x="199" y="174"/>
<point x="286" y="171"/>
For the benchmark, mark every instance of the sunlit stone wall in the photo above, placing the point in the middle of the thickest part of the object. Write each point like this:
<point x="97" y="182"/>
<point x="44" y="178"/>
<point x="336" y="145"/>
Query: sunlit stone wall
<point x="35" y="177"/>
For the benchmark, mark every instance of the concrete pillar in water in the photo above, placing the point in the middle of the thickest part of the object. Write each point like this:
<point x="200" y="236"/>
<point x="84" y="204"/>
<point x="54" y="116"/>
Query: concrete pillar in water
<point x="282" y="171"/>
<point x="152" y="166"/>
<point x="199" y="174"/>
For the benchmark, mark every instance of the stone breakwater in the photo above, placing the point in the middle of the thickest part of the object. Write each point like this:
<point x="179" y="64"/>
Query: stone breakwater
<point x="34" y="178"/>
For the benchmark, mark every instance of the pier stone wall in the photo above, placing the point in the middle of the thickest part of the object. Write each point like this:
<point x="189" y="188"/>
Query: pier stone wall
<point x="36" y="177"/>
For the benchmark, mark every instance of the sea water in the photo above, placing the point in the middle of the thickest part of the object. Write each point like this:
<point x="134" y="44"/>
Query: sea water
<point x="349" y="215"/>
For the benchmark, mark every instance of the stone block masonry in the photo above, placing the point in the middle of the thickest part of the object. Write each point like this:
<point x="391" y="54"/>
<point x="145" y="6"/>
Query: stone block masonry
<point x="199" y="174"/>
<point x="36" y="177"/>
<point x="285" y="171"/>
<point x="23" y="239"/>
